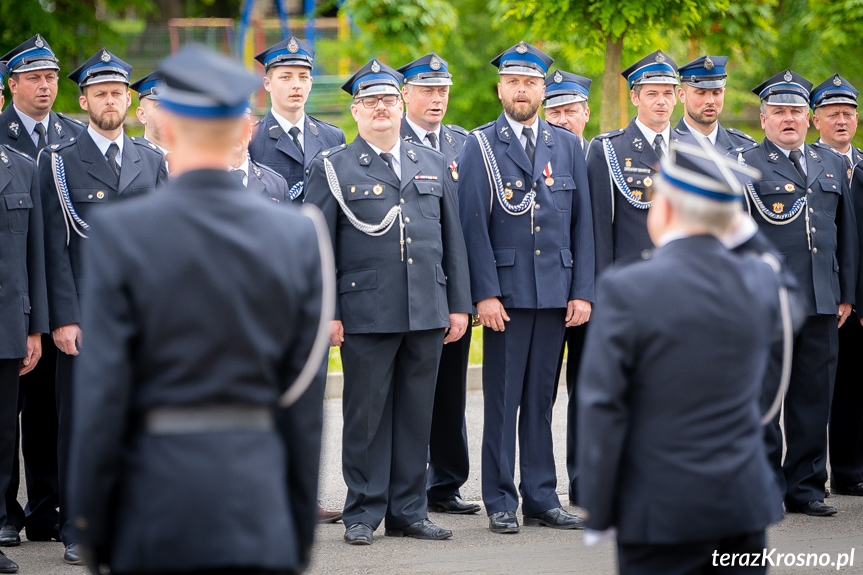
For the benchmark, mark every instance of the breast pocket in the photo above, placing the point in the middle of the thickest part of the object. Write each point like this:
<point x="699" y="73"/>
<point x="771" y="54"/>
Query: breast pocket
<point x="778" y="196"/>
<point x="832" y="196"/>
<point x="514" y="189"/>
<point x="430" y="197"/>
<point x="18" y="212"/>
<point x="561" y="193"/>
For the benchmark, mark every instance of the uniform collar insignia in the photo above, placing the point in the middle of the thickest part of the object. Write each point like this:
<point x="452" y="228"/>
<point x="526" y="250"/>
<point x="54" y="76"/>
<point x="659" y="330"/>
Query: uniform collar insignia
<point x="257" y="171"/>
<point x="411" y="154"/>
<point x="546" y="136"/>
<point x="313" y="128"/>
<point x="773" y="157"/>
<point x="365" y="160"/>
<point x="14" y="128"/>
<point x="814" y="155"/>
<point x="58" y="128"/>
<point x="504" y="131"/>
<point x="4" y="157"/>
<point x="448" y="137"/>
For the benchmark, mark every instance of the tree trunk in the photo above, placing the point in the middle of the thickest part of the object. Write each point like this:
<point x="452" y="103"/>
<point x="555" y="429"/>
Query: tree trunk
<point x="610" y="111"/>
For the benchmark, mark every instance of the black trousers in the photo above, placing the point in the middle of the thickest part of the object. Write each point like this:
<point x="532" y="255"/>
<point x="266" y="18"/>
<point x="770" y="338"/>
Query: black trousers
<point x="701" y="558"/>
<point x="803" y="474"/>
<point x="38" y="433"/>
<point x="387" y="405"/>
<point x="574" y="340"/>
<point x="8" y="425"/>
<point x="449" y="465"/>
<point x="65" y="367"/>
<point x="846" y="416"/>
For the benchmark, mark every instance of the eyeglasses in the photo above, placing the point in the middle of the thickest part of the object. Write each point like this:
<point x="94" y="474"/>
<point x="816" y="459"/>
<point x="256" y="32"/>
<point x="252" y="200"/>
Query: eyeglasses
<point x="389" y="101"/>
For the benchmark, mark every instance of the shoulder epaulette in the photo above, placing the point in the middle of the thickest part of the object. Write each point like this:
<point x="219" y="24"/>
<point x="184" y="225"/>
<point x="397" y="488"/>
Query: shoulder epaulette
<point x="20" y="153"/>
<point x="146" y="143"/>
<point x="456" y="128"/>
<point x="333" y="150"/>
<point x="484" y="126"/>
<point x="737" y="132"/>
<point x="258" y="122"/>
<point x="319" y="121"/>
<point x="751" y="146"/>
<point x="60" y="145"/>
<point x="71" y="119"/>
<point x="611" y="134"/>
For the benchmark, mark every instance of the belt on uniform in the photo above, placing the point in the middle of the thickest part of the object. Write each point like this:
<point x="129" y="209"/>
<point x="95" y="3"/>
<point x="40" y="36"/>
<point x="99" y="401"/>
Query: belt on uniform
<point x="181" y="420"/>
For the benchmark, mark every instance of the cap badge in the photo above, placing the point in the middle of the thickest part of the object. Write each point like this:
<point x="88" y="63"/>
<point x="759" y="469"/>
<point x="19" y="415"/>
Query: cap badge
<point x="39" y="42"/>
<point x="521" y="48"/>
<point x="778" y="208"/>
<point x="788" y="77"/>
<point x="660" y="58"/>
<point x="434" y="64"/>
<point x="106" y="57"/>
<point x="375" y="67"/>
<point x="558" y="77"/>
<point x="708" y="63"/>
<point x="836" y="80"/>
<point x="293" y="47"/>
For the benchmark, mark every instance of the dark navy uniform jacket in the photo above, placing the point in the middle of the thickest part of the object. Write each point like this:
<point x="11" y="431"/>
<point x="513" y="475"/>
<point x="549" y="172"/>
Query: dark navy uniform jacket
<point x="91" y="184"/>
<point x="729" y="140"/>
<point x="60" y="127"/>
<point x="824" y="263"/>
<point x="187" y="308"/>
<point x="272" y="147"/>
<point x="379" y="292"/>
<point x="23" y="299"/>
<point x="532" y="265"/>
<point x="856" y="155"/>
<point x="267" y="183"/>
<point x="452" y="139"/>
<point x="619" y="227"/>
<point x="672" y="450"/>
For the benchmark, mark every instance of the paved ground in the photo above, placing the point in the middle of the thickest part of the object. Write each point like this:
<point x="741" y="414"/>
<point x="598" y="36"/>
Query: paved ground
<point x="475" y="550"/>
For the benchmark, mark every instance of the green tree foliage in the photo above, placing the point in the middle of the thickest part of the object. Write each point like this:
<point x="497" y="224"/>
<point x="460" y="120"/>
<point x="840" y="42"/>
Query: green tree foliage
<point x="71" y="28"/>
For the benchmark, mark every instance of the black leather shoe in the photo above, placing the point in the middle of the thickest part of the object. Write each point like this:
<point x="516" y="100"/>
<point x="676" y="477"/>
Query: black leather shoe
<point x="422" y="529"/>
<point x="455" y="505"/>
<point x="555" y="518"/>
<point x="7" y="565"/>
<point x="72" y="556"/>
<point x="503" y="522"/>
<point x="9" y="536"/>
<point x="815" y="508"/>
<point x="41" y="534"/>
<point x="359" y="534"/>
<point x="853" y="490"/>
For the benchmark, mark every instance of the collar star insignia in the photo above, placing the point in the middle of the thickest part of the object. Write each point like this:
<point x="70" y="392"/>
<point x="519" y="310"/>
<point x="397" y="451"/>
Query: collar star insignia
<point x="106" y="57"/>
<point x="708" y="63"/>
<point x="521" y="48"/>
<point x="836" y="80"/>
<point x="293" y="47"/>
<point x="434" y="64"/>
<point x="773" y="156"/>
<point x="257" y="171"/>
<point x="558" y="77"/>
<point x="375" y="67"/>
<point x="448" y="137"/>
<point x="788" y="77"/>
<point x="660" y="58"/>
<point x="814" y="155"/>
<point x="4" y="157"/>
<point x="14" y="128"/>
<point x="39" y="42"/>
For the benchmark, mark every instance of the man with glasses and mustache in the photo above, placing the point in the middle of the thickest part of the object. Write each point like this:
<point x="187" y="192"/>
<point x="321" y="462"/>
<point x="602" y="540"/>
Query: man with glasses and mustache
<point x="28" y="125"/>
<point x="702" y="92"/>
<point x="525" y="212"/>
<point x="403" y="292"/>
<point x="76" y="176"/>
<point x="622" y="163"/>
